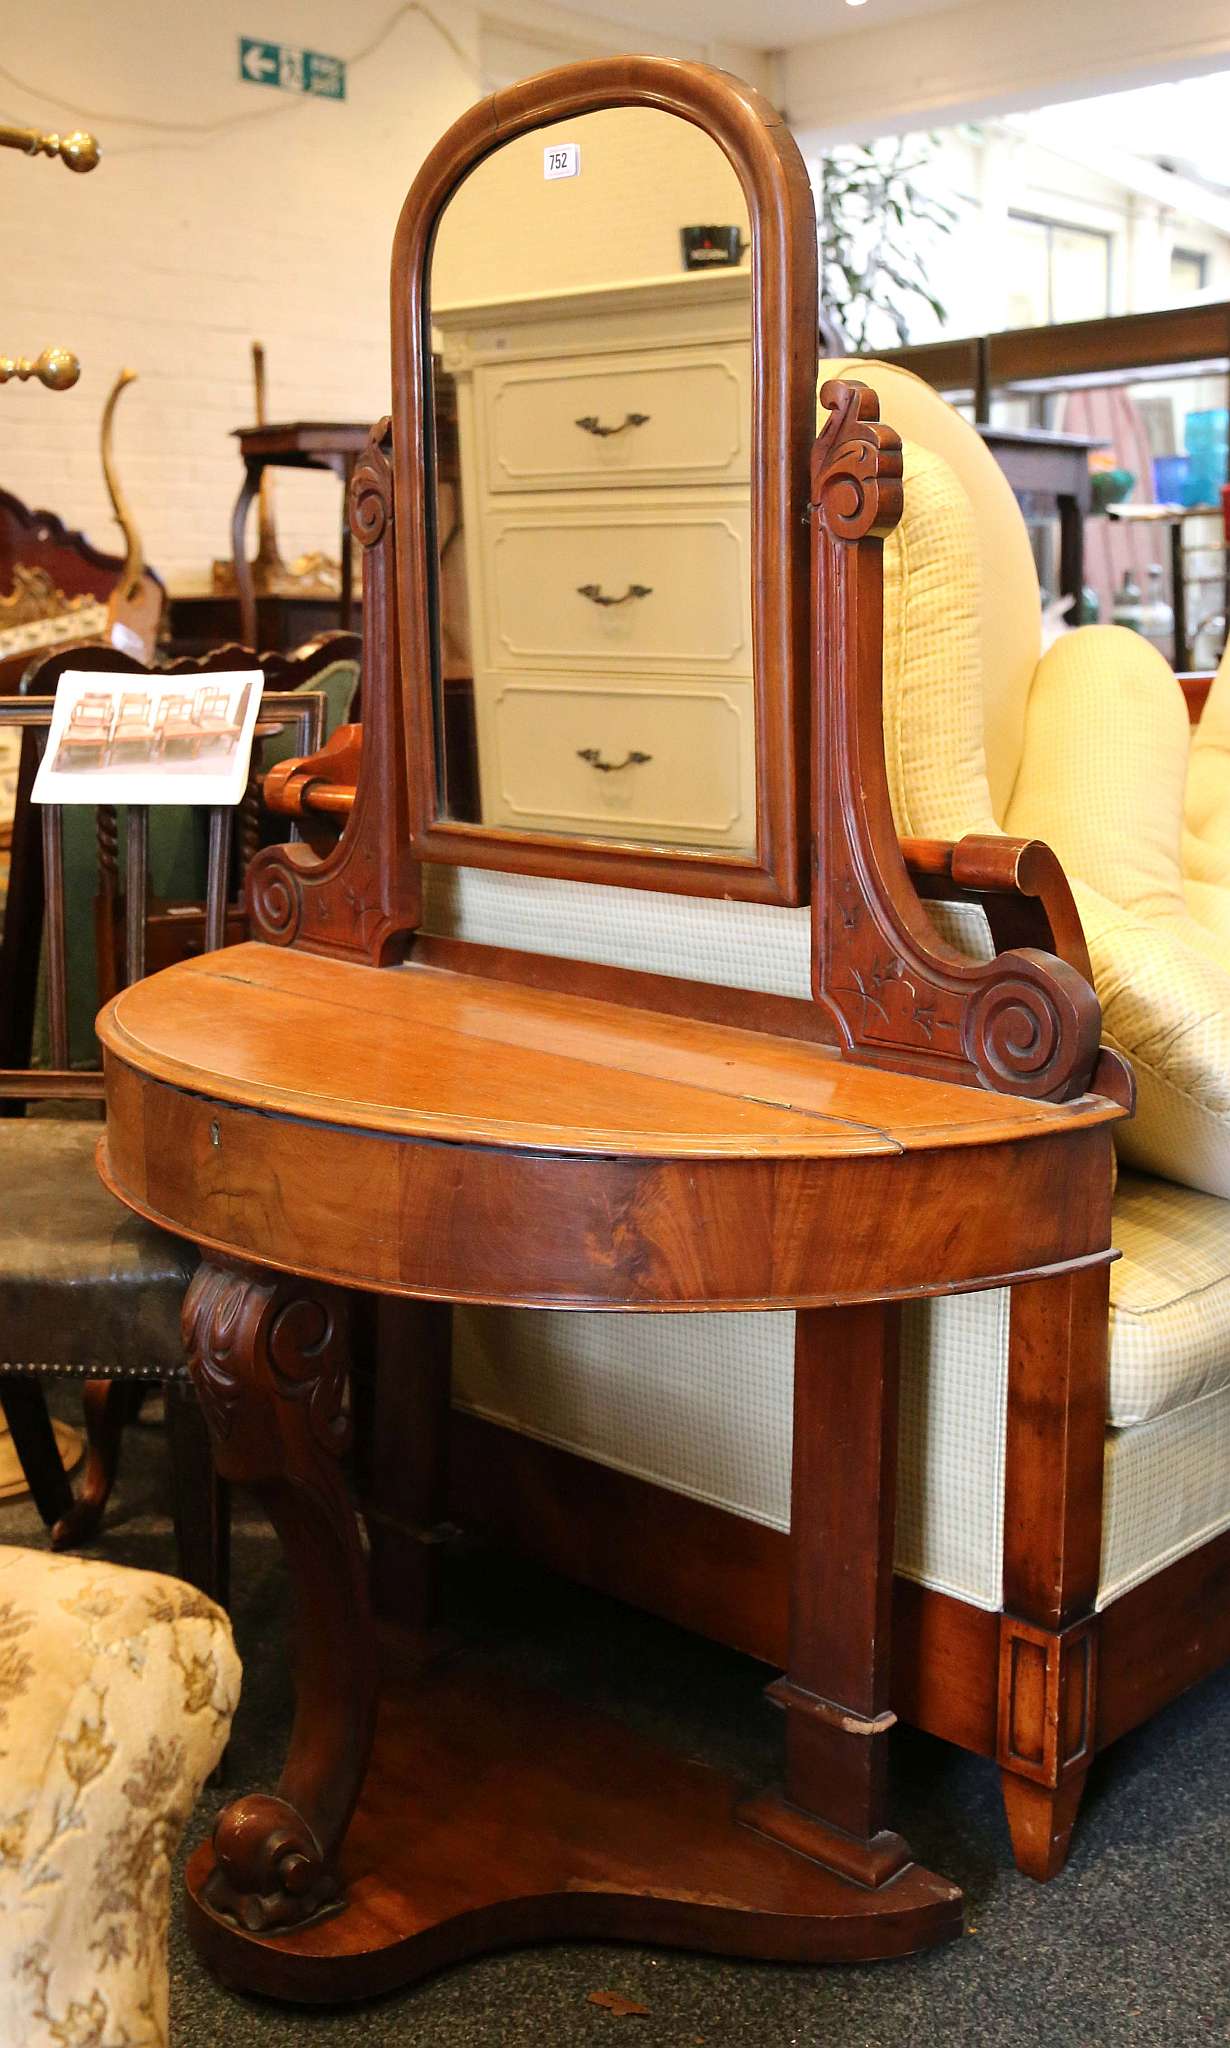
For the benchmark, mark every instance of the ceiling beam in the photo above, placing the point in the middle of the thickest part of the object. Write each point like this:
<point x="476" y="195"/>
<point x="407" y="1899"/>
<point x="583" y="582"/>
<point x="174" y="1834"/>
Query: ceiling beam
<point x="1137" y="174"/>
<point x="996" y="57"/>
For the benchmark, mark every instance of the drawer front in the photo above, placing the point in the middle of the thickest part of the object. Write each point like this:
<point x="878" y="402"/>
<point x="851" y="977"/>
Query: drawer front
<point x="636" y="589"/>
<point x="667" y="417"/>
<point x="657" y="764"/>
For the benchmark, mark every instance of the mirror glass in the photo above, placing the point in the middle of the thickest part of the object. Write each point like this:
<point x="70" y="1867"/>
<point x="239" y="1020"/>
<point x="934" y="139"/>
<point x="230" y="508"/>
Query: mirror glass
<point x="591" y="406"/>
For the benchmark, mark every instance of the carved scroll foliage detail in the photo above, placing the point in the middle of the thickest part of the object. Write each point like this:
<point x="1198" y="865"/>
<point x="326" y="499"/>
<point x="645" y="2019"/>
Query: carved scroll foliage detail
<point x="213" y="1331"/>
<point x="860" y="482"/>
<point x="371" y="490"/>
<point x="308" y="1363"/>
<point x="269" y="1870"/>
<point x="1031" y="1026"/>
<point x="281" y="1336"/>
<point x="275" y="897"/>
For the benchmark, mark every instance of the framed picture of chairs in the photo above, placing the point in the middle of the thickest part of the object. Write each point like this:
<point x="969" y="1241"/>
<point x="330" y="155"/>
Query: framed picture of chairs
<point x="111" y="743"/>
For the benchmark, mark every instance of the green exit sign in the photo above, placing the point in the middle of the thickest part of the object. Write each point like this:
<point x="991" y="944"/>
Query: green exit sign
<point x="291" y="70"/>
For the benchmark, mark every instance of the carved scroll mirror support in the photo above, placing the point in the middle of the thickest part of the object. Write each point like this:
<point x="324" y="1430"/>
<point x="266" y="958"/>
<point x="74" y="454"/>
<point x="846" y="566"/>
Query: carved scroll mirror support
<point x="1026" y="1022"/>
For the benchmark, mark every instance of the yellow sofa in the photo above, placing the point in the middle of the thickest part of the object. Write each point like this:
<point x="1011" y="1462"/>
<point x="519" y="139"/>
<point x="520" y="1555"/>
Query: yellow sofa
<point x="682" y="1425"/>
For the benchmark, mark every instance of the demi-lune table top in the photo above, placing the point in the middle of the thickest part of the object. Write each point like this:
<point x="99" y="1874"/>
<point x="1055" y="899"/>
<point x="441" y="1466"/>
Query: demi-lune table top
<point x="423" y="1052"/>
<point x="436" y="1133"/>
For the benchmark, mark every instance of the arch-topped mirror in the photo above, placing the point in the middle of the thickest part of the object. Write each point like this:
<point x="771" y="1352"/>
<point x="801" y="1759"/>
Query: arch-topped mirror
<point x="601" y="428"/>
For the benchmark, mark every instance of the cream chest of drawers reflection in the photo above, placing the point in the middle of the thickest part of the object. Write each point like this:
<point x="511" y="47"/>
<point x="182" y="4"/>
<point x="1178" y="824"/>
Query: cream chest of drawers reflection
<point x="602" y="599"/>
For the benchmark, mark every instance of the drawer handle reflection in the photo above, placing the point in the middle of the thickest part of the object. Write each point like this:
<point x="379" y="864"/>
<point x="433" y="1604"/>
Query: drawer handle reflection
<point x="596" y="595"/>
<point x="594" y="756"/>
<point x="591" y="424"/>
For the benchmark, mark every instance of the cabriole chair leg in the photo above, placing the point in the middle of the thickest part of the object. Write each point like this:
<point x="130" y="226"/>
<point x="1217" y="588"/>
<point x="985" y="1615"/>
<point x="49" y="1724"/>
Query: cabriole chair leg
<point x="107" y="1405"/>
<point x="25" y="1411"/>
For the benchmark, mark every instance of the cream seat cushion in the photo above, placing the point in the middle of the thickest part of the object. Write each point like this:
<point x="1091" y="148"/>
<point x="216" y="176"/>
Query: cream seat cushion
<point x="117" y="1689"/>
<point x="1170" y="1299"/>
<point x="1206" y="889"/>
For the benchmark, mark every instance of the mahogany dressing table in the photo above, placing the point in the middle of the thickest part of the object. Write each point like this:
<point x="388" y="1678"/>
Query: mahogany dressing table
<point x="348" y="1103"/>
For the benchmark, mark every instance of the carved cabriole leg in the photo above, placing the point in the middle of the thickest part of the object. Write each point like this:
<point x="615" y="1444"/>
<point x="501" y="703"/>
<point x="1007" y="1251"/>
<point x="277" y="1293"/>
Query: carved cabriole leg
<point x="267" y="1355"/>
<point x="1055" y="1446"/>
<point x="843" y="1501"/>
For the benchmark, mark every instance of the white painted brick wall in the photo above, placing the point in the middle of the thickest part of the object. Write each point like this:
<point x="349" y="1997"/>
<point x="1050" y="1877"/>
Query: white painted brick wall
<point x="182" y="247"/>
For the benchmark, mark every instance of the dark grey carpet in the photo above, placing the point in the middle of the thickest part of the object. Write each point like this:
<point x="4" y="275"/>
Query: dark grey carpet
<point x="1129" y="1945"/>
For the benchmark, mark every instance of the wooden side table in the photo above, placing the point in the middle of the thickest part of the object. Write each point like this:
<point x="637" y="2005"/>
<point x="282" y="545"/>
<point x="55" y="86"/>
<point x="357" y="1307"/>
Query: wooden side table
<point x="1057" y="465"/>
<point x="200" y="621"/>
<point x="316" y="1127"/>
<point x="303" y="444"/>
<point x="351" y="1104"/>
<point x="1174" y="519"/>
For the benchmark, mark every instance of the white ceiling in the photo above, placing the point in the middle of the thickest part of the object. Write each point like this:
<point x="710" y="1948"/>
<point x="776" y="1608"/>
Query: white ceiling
<point x="775" y="26"/>
<point x="1183" y="125"/>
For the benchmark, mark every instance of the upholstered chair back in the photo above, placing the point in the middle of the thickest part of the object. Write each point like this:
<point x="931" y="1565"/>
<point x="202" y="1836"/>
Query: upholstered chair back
<point x="1006" y="598"/>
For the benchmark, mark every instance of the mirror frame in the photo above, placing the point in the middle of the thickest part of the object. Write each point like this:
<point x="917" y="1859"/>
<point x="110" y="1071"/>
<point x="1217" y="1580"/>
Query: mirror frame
<point x="783" y="262"/>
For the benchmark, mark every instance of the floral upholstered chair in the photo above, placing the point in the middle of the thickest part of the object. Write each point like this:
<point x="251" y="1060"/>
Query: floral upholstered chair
<point x="117" y="1690"/>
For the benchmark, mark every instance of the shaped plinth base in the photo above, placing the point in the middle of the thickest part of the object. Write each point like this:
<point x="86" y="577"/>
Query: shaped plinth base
<point x="493" y="1815"/>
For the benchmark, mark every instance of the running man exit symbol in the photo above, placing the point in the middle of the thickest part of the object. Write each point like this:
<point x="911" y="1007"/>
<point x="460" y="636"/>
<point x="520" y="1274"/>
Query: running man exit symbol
<point x="291" y="69"/>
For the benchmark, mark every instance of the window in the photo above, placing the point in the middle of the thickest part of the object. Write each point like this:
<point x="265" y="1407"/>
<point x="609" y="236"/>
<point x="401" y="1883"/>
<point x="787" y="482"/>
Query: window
<point x="1189" y="272"/>
<point x="1058" y="272"/>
